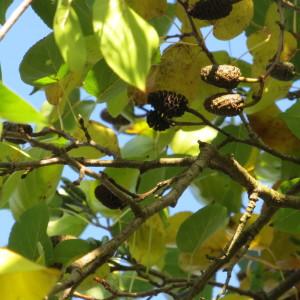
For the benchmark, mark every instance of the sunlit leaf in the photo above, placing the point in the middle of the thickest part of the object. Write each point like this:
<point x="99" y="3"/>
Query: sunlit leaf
<point x="68" y="36"/>
<point x="127" y="42"/>
<point x="99" y="133"/>
<point x="237" y="21"/>
<point x="31" y="281"/>
<point x="16" y="109"/>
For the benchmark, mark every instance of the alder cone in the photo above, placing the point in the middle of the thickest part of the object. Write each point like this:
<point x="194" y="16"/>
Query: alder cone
<point x="284" y="71"/>
<point x="169" y="103"/>
<point x="224" y="104"/>
<point x="107" y="198"/>
<point x="11" y="131"/>
<point x="224" y="76"/>
<point x="158" y="121"/>
<point x="210" y="9"/>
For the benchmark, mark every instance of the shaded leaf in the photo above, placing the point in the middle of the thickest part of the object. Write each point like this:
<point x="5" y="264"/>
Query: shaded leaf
<point x="30" y="231"/>
<point x="195" y="230"/>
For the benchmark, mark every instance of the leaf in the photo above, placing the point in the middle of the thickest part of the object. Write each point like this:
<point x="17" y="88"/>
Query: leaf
<point x="291" y="118"/>
<point x="30" y="231"/>
<point x="15" y="109"/>
<point x="198" y="260"/>
<point x="174" y="222"/>
<point x="185" y="142"/>
<point x="228" y="193"/>
<point x="37" y="187"/>
<point x="4" y="4"/>
<point x="45" y="9"/>
<point x="148" y="9"/>
<point x="41" y="62"/>
<point x="30" y="280"/>
<point x="67" y="225"/>
<point x="103" y="83"/>
<point x="269" y="126"/>
<point x="68" y="36"/>
<point x="236" y="297"/>
<point x="238" y="20"/>
<point x="287" y="220"/>
<point x="102" y="135"/>
<point x="127" y="42"/>
<point x="147" y="244"/>
<point x="70" y="250"/>
<point x="195" y="230"/>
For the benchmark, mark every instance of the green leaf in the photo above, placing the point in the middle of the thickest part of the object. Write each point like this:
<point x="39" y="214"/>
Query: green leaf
<point x="16" y="109"/>
<point x="227" y="194"/>
<point x="30" y="231"/>
<point x="67" y="225"/>
<point x="102" y="82"/>
<point x="185" y="142"/>
<point x="84" y="11"/>
<point x="195" y="230"/>
<point x="68" y="36"/>
<point x="292" y="118"/>
<point x="4" y="4"/>
<point x="38" y="186"/>
<point x="127" y="42"/>
<point x="287" y="220"/>
<point x="41" y="62"/>
<point x="117" y="104"/>
<point x="45" y="9"/>
<point x="69" y="250"/>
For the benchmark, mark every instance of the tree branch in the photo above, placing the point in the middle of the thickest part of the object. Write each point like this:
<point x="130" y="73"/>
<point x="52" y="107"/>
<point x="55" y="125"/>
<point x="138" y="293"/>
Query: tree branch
<point x="13" y="18"/>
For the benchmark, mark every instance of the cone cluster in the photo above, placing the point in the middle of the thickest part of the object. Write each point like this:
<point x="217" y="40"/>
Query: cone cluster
<point x="166" y="105"/>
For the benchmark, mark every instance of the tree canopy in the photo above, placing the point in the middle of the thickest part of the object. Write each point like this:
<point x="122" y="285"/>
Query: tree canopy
<point x="139" y="108"/>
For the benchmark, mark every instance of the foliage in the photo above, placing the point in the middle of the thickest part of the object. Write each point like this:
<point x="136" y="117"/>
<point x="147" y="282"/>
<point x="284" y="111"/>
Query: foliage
<point x="208" y="127"/>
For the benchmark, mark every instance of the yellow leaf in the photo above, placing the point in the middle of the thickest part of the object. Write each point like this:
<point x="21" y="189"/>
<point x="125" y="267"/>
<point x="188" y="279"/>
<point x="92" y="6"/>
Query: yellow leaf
<point x="263" y="240"/>
<point x="22" y="279"/>
<point x="147" y="244"/>
<point x="284" y="259"/>
<point x="149" y="9"/>
<point x="274" y="132"/>
<point x="100" y="134"/>
<point x="54" y="93"/>
<point x="238" y="20"/>
<point x="174" y="222"/>
<point x="198" y="260"/>
<point x="179" y="72"/>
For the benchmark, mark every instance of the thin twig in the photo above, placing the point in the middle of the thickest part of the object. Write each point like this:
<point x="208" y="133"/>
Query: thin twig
<point x="14" y="18"/>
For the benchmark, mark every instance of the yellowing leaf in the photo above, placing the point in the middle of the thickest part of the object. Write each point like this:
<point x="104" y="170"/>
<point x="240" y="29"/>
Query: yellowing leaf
<point x="238" y="20"/>
<point x="198" y="260"/>
<point x="30" y="280"/>
<point x="262" y="240"/>
<point x="148" y="9"/>
<point x="174" y="223"/>
<point x="147" y="244"/>
<point x="99" y="133"/>
<point x="127" y="41"/>
<point x="179" y="72"/>
<point x="273" y="130"/>
<point x="54" y="93"/>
